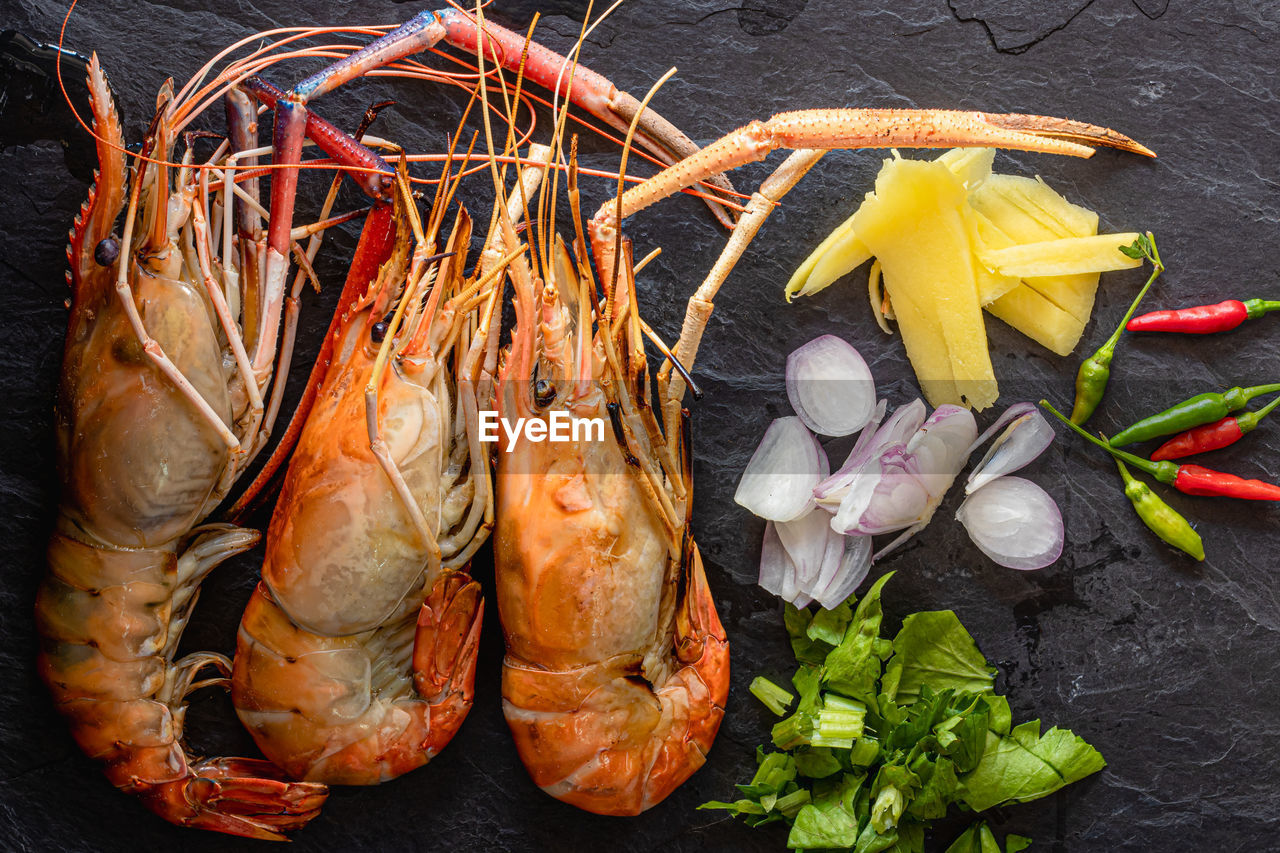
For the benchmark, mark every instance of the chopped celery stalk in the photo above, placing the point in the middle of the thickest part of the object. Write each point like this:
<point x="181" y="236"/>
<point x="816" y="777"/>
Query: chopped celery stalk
<point x="836" y="701"/>
<point x="774" y="697"/>
<point x="864" y="752"/>
<point x="831" y="742"/>
<point x="887" y="809"/>
<point x="841" y="719"/>
<point x="793" y="802"/>
<point x="793" y="731"/>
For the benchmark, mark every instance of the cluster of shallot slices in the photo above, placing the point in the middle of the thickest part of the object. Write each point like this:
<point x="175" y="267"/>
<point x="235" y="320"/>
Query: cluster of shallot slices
<point x="818" y="540"/>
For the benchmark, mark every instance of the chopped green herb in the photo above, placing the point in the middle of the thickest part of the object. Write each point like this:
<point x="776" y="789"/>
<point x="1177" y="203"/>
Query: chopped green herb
<point x="979" y="839"/>
<point x="1022" y="766"/>
<point x="935" y="650"/>
<point x="887" y="735"/>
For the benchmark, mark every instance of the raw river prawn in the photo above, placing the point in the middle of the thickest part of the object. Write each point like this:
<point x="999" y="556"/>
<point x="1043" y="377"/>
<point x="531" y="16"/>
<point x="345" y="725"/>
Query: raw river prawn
<point x="160" y="406"/>
<point x="174" y="338"/>
<point x="356" y="655"/>
<point x="616" y="673"/>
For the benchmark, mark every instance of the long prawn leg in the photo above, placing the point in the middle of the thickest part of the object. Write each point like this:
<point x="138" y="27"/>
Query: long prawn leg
<point x="377" y="238"/>
<point x="827" y="129"/>
<point x="425" y="30"/>
<point x="700" y="305"/>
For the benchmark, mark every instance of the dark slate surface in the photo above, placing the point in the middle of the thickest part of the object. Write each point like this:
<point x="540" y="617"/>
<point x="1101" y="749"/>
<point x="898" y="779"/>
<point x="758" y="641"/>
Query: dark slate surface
<point x="1167" y="666"/>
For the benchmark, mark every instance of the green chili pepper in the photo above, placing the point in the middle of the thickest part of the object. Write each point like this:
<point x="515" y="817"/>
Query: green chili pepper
<point x="1200" y="409"/>
<point x="1095" y="372"/>
<point x="1191" y="479"/>
<point x="1161" y="518"/>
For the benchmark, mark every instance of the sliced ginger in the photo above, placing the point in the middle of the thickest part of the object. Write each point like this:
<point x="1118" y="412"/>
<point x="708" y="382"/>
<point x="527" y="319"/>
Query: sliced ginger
<point x="954" y="238"/>
<point x="917" y="224"/>
<point x="1064" y="256"/>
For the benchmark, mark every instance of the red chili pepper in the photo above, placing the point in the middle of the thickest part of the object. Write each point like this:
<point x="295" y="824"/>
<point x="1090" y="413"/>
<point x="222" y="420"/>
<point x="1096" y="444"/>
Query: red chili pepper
<point x="1200" y="440"/>
<point x="1212" y="436"/>
<point x="1196" y="480"/>
<point x="1203" y="319"/>
<point x="1191" y="479"/>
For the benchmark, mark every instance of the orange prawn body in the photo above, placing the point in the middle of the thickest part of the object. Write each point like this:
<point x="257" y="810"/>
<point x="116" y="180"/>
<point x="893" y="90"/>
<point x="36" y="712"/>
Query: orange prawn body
<point x="617" y="666"/>
<point x="356" y="656"/>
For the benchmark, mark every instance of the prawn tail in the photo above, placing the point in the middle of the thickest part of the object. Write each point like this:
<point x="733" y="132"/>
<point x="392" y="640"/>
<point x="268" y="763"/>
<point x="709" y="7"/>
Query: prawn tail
<point x="109" y="620"/>
<point x="237" y="796"/>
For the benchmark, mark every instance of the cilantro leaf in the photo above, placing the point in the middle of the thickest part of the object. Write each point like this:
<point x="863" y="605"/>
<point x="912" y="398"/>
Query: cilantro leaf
<point x="828" y="626"/>
<point x="969" y="730"/>
<point x="1000" y="718"/>
<point x="979" y="839"/>
<point x="805" y="648"/>
<point x="933" y="648"/>
<point x="1023" y="766"/>
<point x="910" y="839"/>
<point x="853" y="667"/>
<point x="833" y="818"/>
<point x="817" y="763"/>
<point x="938" y="790"/>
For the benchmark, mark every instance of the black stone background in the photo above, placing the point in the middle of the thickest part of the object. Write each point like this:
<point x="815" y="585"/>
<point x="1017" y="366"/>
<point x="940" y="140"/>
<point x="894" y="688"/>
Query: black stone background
<point x="1167" y="666"/>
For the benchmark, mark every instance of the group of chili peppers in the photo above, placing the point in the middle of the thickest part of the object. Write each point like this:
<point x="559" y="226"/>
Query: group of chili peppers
<point x="1202" y="423"/>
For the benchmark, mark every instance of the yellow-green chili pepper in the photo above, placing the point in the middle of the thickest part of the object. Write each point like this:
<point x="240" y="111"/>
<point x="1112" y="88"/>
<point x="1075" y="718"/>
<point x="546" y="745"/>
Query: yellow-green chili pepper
<point x="1095" y="372"/>
<point x="1161" y="518"/>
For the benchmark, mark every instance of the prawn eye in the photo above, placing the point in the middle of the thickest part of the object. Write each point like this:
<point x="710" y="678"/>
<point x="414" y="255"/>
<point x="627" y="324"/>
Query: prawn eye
<point x="379" y="329"/>
<point x="543" y="393"/>
<point x="107" y="250"/>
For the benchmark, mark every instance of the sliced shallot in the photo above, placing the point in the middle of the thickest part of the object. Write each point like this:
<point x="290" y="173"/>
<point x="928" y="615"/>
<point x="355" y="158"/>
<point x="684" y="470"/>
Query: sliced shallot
<point x="778" y="570"/>
<point x="896" y="431"/>
<point x="807" y="541"/>
<point x="1017" y="410"/>
<point x="1018" y="446"/>
<point x="830" y="386"/>
<point x="774" y="562"/>
<point x="779" y="480"/>
<point x="855" y="563"/>
<point x="1014" y="522"/>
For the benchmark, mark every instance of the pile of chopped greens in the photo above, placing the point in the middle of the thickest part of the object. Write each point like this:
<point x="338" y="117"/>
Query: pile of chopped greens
<point x="886" y="735"/>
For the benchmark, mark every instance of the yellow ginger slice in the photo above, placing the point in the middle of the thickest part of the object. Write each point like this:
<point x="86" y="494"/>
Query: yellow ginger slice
<point x="1012" y="209"/>
<point x="1029" y="210"/>
<point x="971" y="165"/>
<point x="1064" y="256"/>
<point x="922" y="334"/>
<point x="842" y="251"/>
<point x="1035" y="316"/>
<point x="919" y="225"/>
